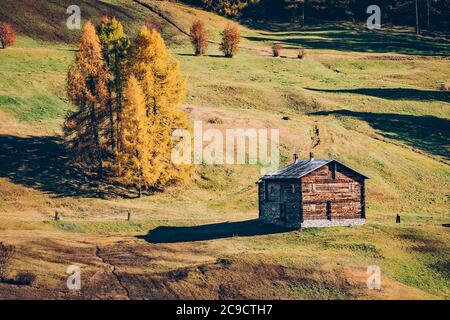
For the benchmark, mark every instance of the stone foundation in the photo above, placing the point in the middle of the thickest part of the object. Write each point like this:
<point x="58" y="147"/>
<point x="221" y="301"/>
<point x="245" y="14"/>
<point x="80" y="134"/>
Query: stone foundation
<point x="332" y="223"/>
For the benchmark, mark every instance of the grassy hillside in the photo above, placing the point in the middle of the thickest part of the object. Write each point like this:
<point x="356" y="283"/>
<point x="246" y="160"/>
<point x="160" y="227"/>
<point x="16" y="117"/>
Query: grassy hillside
<point x="46" y="19"/>
<point x="378" y="110"/>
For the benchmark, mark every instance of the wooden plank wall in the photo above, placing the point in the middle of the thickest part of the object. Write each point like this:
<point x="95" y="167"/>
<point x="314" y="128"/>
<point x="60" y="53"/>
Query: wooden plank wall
<point x="343" y="190"/>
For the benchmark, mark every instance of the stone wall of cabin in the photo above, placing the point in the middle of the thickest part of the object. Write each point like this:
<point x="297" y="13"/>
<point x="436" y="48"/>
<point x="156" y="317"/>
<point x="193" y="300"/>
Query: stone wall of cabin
<point x="342" y="189"/>
<point x="276" y="196"/>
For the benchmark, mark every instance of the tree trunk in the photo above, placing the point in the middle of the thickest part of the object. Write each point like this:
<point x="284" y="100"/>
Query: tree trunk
<point x="305" y="5"/>
<point x="119" y="98"/>
<point x="428" y="16"/>
<point x="111" y="121"/>
<point x="98" y="151"/>
<point x="139" y="186"/>
<point x="155" y="108"/>
<point x="417" y="18"/>
<point x="91" y="84"/>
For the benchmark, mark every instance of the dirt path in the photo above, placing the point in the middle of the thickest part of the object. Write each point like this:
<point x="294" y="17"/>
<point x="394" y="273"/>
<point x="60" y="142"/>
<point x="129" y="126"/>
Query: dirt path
<point x="113" y="271"/>
<point x="161" y="15"/>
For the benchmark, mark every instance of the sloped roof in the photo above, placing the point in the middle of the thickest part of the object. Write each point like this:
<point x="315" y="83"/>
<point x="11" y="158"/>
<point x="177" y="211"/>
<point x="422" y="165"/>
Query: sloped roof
<point x="302" y="168"/>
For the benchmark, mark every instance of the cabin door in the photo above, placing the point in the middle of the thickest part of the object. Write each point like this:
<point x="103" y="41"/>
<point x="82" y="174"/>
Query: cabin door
<point x="328" y="210"/>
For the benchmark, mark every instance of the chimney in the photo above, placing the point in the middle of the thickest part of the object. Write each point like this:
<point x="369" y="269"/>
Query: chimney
<point x="311" y="156"/>
<point x="295" y="157"/>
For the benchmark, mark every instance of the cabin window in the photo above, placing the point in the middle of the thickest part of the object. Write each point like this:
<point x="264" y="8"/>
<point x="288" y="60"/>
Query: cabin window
<point x="268" y="192"/>
<point x="333" y="171"/>
<point x="293" y="188"/>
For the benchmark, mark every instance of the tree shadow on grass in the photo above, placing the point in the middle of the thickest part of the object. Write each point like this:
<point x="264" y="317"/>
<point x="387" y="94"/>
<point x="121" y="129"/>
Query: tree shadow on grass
<point x="246" y="228"/>
<point x="357" y="40"/>
<point x="428" y="133"/>
<point x="394" y="93"/>
<point x="205" y="55"/>
<point x="39" y="162"/>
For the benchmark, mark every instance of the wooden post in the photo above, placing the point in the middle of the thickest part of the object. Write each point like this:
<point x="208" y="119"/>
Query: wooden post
<point x="129" y="216"/>
<point x="397" y="219"/>
<point x="57" y="216"/>
<point x="363" y="199"/>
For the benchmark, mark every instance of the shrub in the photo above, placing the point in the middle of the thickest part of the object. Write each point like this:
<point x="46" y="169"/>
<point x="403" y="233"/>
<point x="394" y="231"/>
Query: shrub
<point x="25" y="279"/>
<point x="276" y="48"/>
<point x="230" y="41"/>
<point x="152" y="25"/>
<point x="215" y="120"/>
<point x="315" y="136"/>
<point x="226" y="262"/>
<point x="6" y="254"/>
<point x="301" y="53"/>
<point x="445" y="86"/>
<point x="198" y="37"/>
<point x="7" y="35"/>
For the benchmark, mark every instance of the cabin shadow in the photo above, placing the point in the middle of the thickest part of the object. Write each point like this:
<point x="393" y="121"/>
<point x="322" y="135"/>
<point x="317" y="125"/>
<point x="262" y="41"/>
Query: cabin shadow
<point x="39" y="162"/>
<point x="428" y="133"/>
<point x="213" y="231"/>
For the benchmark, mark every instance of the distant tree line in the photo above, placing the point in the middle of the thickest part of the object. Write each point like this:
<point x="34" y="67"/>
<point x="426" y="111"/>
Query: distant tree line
<point x="425" y="14"/>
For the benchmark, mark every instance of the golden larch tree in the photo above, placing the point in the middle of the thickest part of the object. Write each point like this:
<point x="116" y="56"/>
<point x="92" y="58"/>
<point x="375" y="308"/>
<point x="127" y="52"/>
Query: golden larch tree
<point x="115" y="44"/>
<point x="133" y="158"/>
<point x="164" y="88"/>
<point x="87" y="89"/>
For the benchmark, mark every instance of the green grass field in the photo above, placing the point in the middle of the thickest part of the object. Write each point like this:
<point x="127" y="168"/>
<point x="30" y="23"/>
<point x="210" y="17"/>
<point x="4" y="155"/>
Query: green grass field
<point x="374" y="97"/>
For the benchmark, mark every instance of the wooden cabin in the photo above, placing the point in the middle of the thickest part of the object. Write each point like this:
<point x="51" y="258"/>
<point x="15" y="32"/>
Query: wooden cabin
<point x="313" y="193"/>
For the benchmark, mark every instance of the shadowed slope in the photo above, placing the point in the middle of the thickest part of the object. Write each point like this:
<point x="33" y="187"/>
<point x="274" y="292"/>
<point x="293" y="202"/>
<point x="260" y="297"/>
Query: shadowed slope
<point x="40" y="162"/>
<point x="46" y="19"/>
<point x="395" y="93"/>
<point x="429" y="133"/>
<point x="356" y="39"/>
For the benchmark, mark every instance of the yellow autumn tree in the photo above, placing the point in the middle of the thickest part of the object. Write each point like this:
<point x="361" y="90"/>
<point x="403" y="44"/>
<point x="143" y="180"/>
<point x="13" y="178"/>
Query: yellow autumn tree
<point x="164" y="89"/>
<point x="87" y="89"/>
<point x="133" y="159"/>
<point x="115" y="44"/>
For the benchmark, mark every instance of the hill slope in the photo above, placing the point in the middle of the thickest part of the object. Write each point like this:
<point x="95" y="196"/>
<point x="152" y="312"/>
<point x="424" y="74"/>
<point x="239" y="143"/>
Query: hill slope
<point x="376" y="110"/>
